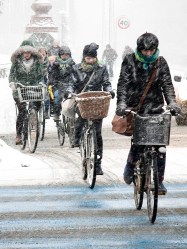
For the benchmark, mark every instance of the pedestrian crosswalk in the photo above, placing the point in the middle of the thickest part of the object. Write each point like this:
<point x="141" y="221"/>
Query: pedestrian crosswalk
<point x="76" y="217"/>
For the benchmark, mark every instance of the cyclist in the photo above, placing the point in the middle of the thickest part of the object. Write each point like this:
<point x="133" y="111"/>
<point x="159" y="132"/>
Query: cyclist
<point x="99" y="82"/>
<point x="135" y="72"/>
<point x="60" y="77"/>
<point x="25" y="69"/>
<point x="109" y="56"/>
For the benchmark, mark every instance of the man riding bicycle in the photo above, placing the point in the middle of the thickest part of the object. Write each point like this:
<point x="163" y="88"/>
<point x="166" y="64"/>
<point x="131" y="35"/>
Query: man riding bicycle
<point x="26" y="69"/>
<point x="136" y="71"/>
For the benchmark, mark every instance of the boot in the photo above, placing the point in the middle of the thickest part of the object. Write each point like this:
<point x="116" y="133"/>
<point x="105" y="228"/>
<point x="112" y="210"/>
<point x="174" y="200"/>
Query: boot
<point x="162" y="190"/>
<point x="18" y="140"/>
<point x="99" y="170"/>
<point x="128" y="173"/>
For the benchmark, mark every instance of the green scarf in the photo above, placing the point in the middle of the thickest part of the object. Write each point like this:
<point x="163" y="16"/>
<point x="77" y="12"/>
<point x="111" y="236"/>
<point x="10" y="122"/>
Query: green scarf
<point x="146" y="60"/>
<point x="89" y="67"/>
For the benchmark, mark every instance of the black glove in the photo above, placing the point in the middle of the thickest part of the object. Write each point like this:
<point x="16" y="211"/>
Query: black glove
<point x="120" y="110"/>
<point x="174" y="108"/>
<point x="112" y="94"/>
<point x="67" y="95"/>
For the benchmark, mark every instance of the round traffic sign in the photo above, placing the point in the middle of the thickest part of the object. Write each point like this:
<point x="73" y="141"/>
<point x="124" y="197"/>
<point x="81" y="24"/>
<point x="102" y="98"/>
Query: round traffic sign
<point x="123" y="22"/>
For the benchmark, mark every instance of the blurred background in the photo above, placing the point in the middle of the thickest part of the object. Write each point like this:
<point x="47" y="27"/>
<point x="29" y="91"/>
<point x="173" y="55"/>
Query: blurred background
<point x="114" y="22"/>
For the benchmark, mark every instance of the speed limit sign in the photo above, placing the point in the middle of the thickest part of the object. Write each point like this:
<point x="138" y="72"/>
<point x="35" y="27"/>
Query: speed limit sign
<point x="123" y="22"/>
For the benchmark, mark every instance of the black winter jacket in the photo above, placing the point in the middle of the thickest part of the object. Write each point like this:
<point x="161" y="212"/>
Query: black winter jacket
<point x="58" y="77"/>
<point x="99" y="82"/>
<point x="133" y="80"/>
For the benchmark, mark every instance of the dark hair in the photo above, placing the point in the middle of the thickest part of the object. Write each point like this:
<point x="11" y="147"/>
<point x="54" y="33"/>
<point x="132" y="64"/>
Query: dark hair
<point x="147" y="41"/>
<point x="90" y="50"/>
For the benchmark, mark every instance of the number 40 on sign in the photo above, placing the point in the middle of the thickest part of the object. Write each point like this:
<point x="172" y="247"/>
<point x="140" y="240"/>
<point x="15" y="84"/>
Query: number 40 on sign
<point x="123" y="22"/>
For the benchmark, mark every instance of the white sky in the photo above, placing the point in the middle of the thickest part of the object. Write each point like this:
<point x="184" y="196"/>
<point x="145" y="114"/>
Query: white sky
<point x="98" y="21"/>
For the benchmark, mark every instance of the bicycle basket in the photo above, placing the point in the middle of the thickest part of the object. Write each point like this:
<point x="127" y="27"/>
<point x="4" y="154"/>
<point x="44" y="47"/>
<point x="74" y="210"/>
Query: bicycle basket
<point x="93" y="105"/>
<point x="31" y="93"/>
<point x="152" y="129"/>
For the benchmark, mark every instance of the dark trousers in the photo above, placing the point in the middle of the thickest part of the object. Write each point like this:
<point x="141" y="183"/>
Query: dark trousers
<point x="21" y="114"/>
<point x="133" y="158"/>
<point x="98" y="127"/>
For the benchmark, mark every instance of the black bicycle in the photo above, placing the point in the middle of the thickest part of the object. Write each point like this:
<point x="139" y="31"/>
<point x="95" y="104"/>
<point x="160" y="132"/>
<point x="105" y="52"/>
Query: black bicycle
<point x="151" y="134"/>
<point x="30" y="131"/>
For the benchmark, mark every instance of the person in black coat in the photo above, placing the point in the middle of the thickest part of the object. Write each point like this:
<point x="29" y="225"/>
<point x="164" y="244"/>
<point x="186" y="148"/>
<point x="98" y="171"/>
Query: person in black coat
<point x="135" y="73"/>
<point x="99" y="82"/>
<point x="60" y="77"/>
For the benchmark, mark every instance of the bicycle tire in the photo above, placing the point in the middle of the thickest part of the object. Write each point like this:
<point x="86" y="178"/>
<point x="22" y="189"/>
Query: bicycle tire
<point x="139" y="181"/>
<point x="41" y="122"/>
<point x="33" y="130"/>
<point x="91" y="155"/>
<point x="24" y="134"/>
<point x="152" y="188"/>
<point x="71" y="134"/>
<point x="61" y="133"/>
<point x="83" y="156"/>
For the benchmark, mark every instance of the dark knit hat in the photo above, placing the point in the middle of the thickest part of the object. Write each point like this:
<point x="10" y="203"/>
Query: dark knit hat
<point x="27" y="43"/>
<point x="90" y="50"/>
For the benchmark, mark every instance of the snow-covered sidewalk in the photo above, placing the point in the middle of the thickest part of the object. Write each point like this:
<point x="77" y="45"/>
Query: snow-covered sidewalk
<point x="17" y="168"/>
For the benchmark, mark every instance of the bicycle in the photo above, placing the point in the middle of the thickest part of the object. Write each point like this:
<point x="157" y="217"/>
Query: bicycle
<point x="30" y="130"/>
<point x="151" y="133"/>
<point x="92" y="105"/>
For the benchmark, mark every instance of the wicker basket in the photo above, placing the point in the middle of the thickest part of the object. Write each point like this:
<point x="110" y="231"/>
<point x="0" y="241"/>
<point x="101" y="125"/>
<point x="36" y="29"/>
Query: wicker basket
<point x="93" y="105"/>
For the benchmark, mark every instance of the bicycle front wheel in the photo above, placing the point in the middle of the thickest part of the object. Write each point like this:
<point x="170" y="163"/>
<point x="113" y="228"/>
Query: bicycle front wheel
<point x="152" y="188"/>
<point x="91" y="155"/>
<point x="41" y="122"/>
<point x="33" y="131"/>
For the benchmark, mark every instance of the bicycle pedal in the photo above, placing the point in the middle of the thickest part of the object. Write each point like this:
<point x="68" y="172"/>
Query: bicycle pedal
<point x="161" y="193"/>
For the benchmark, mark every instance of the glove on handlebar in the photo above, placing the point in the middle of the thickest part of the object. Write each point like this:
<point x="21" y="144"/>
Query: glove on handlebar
<point x="12" y="85"/>
<point x="174" y="108"/>
<point x="121" y="109"/>
<point x="112" y="94"/>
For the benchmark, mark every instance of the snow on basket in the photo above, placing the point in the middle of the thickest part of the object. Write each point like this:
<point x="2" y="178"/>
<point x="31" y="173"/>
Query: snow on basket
<point x="93" y="105"/>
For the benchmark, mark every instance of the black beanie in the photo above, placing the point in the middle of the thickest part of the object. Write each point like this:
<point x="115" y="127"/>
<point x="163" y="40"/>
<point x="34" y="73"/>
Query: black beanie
<point x="90" y="50"/>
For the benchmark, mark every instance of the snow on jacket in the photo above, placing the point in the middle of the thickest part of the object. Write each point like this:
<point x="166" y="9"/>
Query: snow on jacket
<point x="133" y="80"/>
<point x="61" y="73"/>
<point x="19" y="73"/>
<point x="99" y="82"/>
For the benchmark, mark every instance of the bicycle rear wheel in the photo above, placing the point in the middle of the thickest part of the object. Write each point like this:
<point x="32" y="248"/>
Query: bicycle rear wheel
<point x="61" y="133"/>
<point x="139" y="181"/>
<point x="33" y="131"/>
<point x="41" y="122"/>
<point x="91" y="158"/>
<point x="152" y="188"/>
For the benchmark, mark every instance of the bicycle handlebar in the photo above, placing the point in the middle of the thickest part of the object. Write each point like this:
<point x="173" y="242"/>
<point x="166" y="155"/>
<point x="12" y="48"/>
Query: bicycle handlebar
<point x="167" y="111"/>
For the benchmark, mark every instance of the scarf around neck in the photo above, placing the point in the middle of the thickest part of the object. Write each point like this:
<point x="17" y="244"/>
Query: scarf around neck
<point x="147" y="60"/>
<point x="89" y="67"/>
